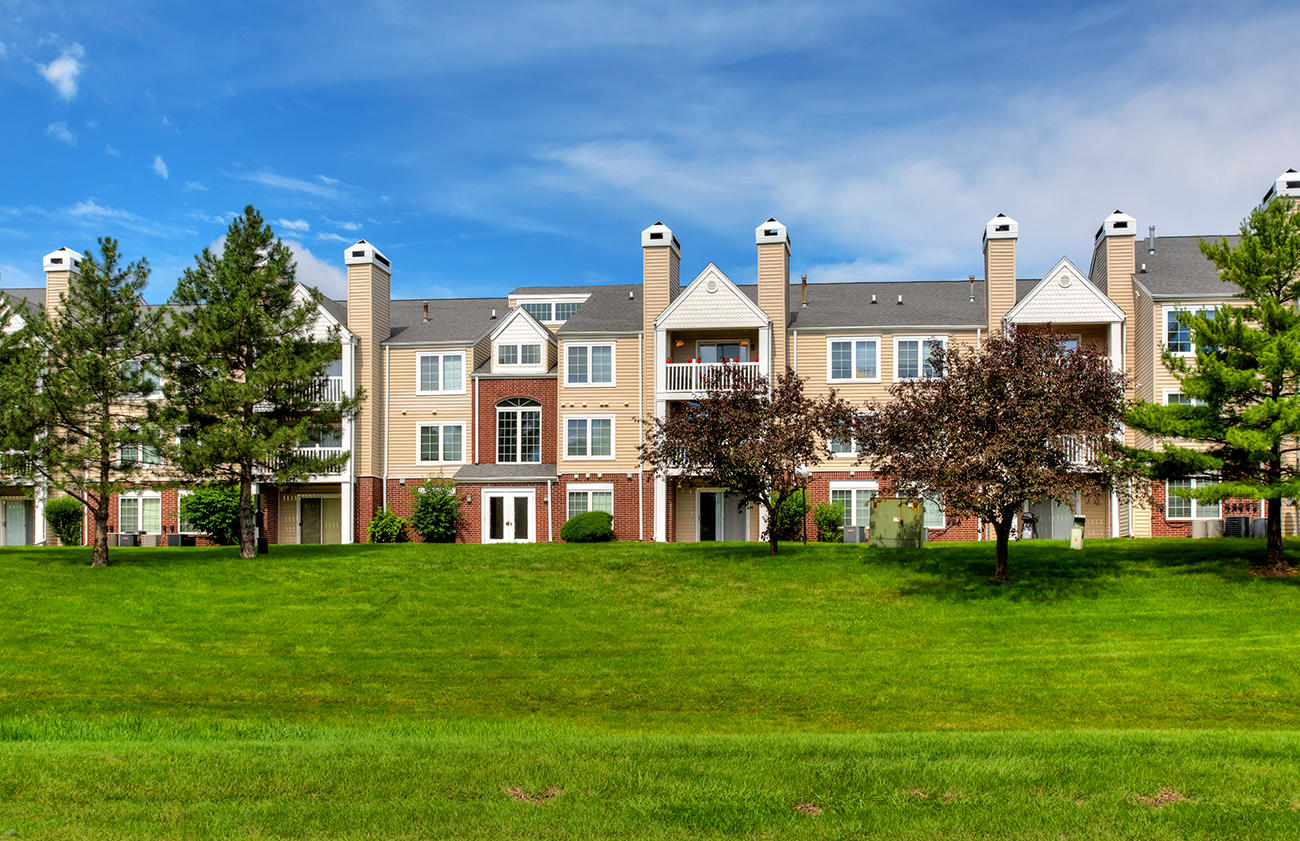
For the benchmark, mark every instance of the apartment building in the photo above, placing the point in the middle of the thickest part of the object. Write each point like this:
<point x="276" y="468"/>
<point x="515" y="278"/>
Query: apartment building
<point x="533" y="403"/>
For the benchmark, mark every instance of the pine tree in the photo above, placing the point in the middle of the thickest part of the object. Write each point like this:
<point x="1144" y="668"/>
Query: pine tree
<point x="75" y="391"/>
<point x="244" y="355"/>
<point x="1245" y="409"/>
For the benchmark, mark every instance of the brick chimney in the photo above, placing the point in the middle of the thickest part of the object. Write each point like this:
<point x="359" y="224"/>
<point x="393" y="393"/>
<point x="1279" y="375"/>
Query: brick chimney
<point x="1000" y="235"/>
<point x="773" y="243"/>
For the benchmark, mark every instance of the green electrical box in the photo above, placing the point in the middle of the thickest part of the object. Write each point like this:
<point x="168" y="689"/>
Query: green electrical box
<point x="897" y="523"/>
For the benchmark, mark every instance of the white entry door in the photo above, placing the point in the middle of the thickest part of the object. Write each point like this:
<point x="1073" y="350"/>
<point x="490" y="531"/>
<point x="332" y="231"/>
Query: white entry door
<point x="508" y="516"/>
<point x="15" y="522"/>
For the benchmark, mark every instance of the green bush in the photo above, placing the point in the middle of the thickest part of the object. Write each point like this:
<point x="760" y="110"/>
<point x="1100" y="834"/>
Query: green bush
<point x="829" y="517"/>
<point x="789" y="517"/>
<point x="437" y="511"/>
<point x="64" y="516"/>
<point x="591" y="527"/>
<point x="387" y="527"/>
<point x="213" y="510"/>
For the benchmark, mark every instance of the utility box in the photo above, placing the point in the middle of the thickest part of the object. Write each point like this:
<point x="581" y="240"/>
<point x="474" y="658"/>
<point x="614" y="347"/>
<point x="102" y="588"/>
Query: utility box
<point x="896" y="523"/>
<point x="855" y="534"/>
<point x="1076" y="532"/>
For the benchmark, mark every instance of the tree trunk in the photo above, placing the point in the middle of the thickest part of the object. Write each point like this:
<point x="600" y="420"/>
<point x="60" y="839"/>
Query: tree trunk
<point x="1002" y="531"/>
<point x="771" y="531"/>
<point x="1275" y="559"/>
<point x="247" y="540"/>
<point x="99" y="542"/>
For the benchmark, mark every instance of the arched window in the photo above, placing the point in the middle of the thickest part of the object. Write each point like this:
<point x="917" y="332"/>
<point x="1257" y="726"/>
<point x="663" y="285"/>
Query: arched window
<point x="519" y="430"/>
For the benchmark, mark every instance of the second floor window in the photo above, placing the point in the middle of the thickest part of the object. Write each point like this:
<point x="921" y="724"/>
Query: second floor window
<point x="442" y="443"/>
<point x="1178" y="336"/>
<point x="326" y="437"/>
<point x="129" y="454"/>
<point x="153" y="384"/>
<point x="589" y="437"/>
<point x="440" y="372"/>
<point x="914" y="357"/>
<point x="589" y="365"/>
<point x="519" y="354"/>
<point x="853" y="359"/>
<point x="519" y="431"/>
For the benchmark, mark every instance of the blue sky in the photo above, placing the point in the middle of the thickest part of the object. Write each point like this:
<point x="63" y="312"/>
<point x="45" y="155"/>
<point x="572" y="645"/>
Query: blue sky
<point x="487" y="146"/>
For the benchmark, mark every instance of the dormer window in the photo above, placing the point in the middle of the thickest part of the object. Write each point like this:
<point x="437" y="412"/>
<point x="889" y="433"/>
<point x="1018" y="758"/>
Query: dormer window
<point x="552" y="309"/>
<point x="525" y="354"/>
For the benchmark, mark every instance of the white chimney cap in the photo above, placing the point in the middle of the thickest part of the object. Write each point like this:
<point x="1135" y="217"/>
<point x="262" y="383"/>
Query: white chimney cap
<point x="1287" y="184"/>
<point x="660" y="234"/>
<point x="63" y="260"/>
<point x="363" y="253"/>
<point x="1001" y="227"/>
<point x="1118" y="224"/>
<point x="771" y="231"/>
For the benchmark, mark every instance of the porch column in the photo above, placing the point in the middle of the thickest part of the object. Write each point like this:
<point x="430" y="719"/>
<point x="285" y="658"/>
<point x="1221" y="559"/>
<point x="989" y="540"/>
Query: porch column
<point x="661" y="353"/>
<point x="1114" y="514"/>
<point x="39" y="494"/>
<point x="661" y="483"/>
<point x="348" y="525"/>
<point x="765" y="343"/>
<point x="1116" y="346"/>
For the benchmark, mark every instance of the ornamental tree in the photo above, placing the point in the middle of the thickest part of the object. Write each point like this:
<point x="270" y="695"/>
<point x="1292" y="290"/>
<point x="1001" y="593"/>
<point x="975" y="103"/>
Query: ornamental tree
<point x="245" y="351"/>
<point x="1016" y="420"/>
<point x="75" y="387"/>
<point x="1244" y="379"/>
<point x="748" y="438"/>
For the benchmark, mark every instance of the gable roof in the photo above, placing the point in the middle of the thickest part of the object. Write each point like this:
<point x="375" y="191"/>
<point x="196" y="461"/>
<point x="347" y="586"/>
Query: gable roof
<point x="521" y="313"/>
<point x="1178" y="268"/>
<point x="700" y="303"/>
<point x="1065" y="296"/>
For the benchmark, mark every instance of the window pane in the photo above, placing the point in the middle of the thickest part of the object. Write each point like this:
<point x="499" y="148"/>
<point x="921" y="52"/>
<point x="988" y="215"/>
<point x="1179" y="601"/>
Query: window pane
<point x="452" y="372"/>
<point x="602" y="364"/>
<point x="1177" y="398"/>
<point x="563" y="312"/>
<point x="128" y="454"/>
<point x="844" y="499"/>
<point x="508" y="354"/>
<point x="452" y="443"/>
<point x="149" y="455"/>
<point x="429" y="443"/>
<point x="908" y="360"/>
<point x="577" y="503"/>
<point x="151" y="515"/>
<point x="507" y="436"/>
<point x="840" y="362"/>
<point x="864" y="366"/>
<point x="530" y="436"/>
<point x="333" y="368"/>
<point x="128" y="515"/>
<point x="1178" y="335"/>
<point x="842" y="446"/>
<point x="927" y="349"/>
<point x="429" y="373"/>
<point x="602" y="501"/>
<point x="601" y="436"/>
<point x="541" y="312"/>
<point x="531" y="355"/>
<point x="1208" y="509"/>
<point x="862" y="511"/>
<point x="182" y="522"/>
<point x="577" y="437"/>
<point x="933" y="511"/>
<point x="1177" y="506"/>
<point x="577" y="366"/>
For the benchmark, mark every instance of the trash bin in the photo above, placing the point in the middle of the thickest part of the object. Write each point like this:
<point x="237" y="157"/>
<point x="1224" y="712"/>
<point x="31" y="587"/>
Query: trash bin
<point x="1259" y="527"/>
<point x="263" y="546"/>
<point x="1076" y="532"/>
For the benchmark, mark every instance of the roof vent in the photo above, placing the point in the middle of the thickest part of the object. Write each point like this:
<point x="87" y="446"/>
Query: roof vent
<point x="1151" y="239"/>
<point x="1117" y="224"/>
<point x="494" y="312"/>
<point x="426" y="312"/>
<point x="1143" y="270"/>
<point x="1001" y="227"/>
<point x="873" y="298"/>
<point x="972" y="288"/>
<point x="900" y="300"/>
<point x="631" y="296"/>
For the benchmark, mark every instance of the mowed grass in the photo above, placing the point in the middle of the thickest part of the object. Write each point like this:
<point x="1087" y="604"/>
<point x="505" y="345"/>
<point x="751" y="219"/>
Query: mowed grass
<point x="1139" y="689"/>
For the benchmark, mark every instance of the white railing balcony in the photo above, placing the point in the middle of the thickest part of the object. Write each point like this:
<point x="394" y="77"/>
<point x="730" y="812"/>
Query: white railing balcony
<point x="326" y="390"/>
<point x="1081" y="453"/>
<point x="696" y="376"/>
<point x="324" y="452"/>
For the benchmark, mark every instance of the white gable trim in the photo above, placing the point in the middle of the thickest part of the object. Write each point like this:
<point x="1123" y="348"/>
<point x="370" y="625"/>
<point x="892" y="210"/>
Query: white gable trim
<point x="700" y="286"/>
<point x="303" y="294"/>
<point x="517" y="313"/>
<point x="1063" y="276"/>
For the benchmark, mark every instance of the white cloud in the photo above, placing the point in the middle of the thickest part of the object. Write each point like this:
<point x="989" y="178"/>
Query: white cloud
<point x="325" y="179"/>
<point x="4" y="51"/>
<point x="294" y="224"/>
<point x="109" y="149"/>
<point x="347" y="226"/>
<point x="336" y="238"/>
<point x="160" y="167"/>
<point x="223" y="219"/>
<point x="62" y="73"/>
<point x="313" y="271"/>
<point x="196" y="186"/>
<point x="11" y="276"/>
<point x="285" y="182"/>
<point x="91" y="209"/>
<point x="59" y="131"/>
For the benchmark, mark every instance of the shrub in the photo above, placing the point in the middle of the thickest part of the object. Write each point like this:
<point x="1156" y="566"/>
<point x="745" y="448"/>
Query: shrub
<point x="387" y="527"/>
<point x="591" y="527"/>
<point x="789" y="517"/>
<point x="64" y="516"/>
<point x="214" y="511"/>
<point x="437" y="511"/>
<point x="829" y="517"/>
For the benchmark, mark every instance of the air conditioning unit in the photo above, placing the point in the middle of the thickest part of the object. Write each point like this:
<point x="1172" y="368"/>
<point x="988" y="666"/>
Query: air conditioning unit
<point x="1236" y="527"/>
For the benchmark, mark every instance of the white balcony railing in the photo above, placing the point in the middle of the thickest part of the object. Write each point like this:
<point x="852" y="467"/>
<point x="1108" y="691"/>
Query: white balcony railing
<point x="326" y="390"/>
<point x="324" y="452"/>
<point x="1081" y="453"/>
<point x="696" y="376"/>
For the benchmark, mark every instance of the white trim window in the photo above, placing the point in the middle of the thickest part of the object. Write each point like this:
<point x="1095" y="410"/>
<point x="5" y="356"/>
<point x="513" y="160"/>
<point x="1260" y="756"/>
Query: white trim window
<point x="1174" y="397"/>
<point x="183" y="525"/>
<point x="527" y="354"/>
<point x="913" y="356"/>
<point x="519" y="431"/>
<point x="591" y="496"/>
<point x="855" y="498"/>
<point x="853" y="359"/>
<point x="587" y="365"/>
<point x="1178" y="336"/>
<point x="843" y="447"/>
<point x="440" y="373"/>
<point x="589" y="437"/>
<point x="440" y="443"/>
<point x="934" y="510"/>
<point x="540" y="310"/>
<point x="140" y="511"/>
<point x="137" y="454"/>
<point x="132" y="367"/>
<point x="1186" y="508"/>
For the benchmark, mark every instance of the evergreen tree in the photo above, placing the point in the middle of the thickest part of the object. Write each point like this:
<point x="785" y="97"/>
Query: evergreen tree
<point x="76" y="413"/>
<point x="1245" y="409"/>
<point x="245" y="353"/>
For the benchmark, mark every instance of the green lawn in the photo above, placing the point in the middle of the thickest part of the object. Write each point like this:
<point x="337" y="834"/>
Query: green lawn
<point x="655" y="691"/>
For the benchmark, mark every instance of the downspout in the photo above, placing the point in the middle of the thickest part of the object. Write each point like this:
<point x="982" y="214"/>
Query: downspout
<point x="474" y="423"/>
<point x="795" y="356"/>
<point x="640" y="412"/>
<point x="549" y="539"/>
<point x="979" y="521"/>
<point x="387" y="392"/>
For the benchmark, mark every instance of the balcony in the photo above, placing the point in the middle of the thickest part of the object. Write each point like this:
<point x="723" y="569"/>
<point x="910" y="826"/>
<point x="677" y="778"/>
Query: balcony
<point x="321" y="452"/>
<point x="694" y="377"/>
<point x="326" y="390"/>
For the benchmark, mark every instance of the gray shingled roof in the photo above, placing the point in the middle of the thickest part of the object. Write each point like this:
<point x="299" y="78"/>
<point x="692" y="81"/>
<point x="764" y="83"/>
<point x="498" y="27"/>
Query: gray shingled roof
<point x="1179" y="268"/>
<point x="33" y="297"/>
<point x="489" y="473"/>
<point x="450" y="319"/>
<point x="925" y="303"/>
<point x="338" y="309"/>
<point x="608" y="310"/>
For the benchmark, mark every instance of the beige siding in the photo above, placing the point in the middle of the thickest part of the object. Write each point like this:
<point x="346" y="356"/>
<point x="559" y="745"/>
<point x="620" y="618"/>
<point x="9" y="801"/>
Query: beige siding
<point x="661" y="282"/>
<point x="56" y="285"/>
<point x="813" y="362"/>
<point x="691" y="340"/>
<point x="773" y="296"/>
<point x="1000" y="277"/>
<point x="685" y="532"/>
<point x="368" y="317"/>
<point x="1097" y="511"/>
<point x="408" y="409"/>
<point x="620" y="400"/>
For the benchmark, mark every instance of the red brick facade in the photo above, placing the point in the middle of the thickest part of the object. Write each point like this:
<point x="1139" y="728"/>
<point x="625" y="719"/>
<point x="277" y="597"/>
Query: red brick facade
<point x="493" y="391"/>
<point x="367" y="499"/>
<point x="1161" y="527"/>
